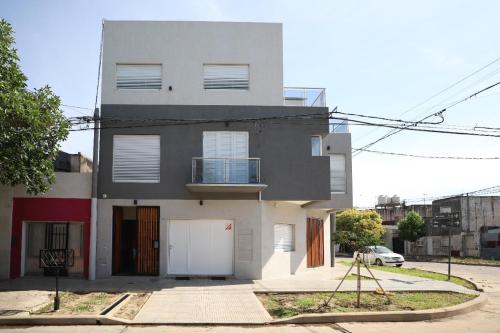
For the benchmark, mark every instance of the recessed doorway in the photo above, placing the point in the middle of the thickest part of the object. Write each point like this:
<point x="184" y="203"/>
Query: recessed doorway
<point x="136" y="240"/>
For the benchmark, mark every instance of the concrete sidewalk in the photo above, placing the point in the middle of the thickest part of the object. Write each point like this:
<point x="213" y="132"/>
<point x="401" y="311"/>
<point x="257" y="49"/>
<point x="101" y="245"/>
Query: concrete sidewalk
<point x="203" y="306"/>
<point x="211" y="301"/>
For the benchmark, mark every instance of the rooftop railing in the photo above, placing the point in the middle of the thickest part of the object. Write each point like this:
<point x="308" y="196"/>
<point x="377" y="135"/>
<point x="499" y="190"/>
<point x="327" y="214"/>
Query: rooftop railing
<point x="339" y="126"/>
<point x="301" y="96"/>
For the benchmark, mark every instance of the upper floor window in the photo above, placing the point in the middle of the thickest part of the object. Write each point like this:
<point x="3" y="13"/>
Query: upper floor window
<point x="338" y="180"/>
<point x="136" y="158"/>
<point x="316" y="145"/>
<point x="234" y="77"/>
<point x="138" y="76"/>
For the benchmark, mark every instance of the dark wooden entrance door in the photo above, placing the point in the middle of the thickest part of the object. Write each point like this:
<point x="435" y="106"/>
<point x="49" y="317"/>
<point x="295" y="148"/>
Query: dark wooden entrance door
<point x="148" y="241"/>
<point x="315" y="242"/>
<point x="136" y="241"/>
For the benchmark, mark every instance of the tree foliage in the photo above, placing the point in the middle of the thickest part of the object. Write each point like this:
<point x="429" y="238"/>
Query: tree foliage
<point x="356" y="229"/>
<point x="412" y="227"/>
<point x="31" y="124"/>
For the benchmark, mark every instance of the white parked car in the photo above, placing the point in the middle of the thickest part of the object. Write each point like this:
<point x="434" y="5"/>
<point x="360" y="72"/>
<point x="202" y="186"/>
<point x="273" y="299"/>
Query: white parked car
<point x="380" y="255"/>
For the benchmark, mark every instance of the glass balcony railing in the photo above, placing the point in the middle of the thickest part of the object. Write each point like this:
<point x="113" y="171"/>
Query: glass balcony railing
<point x="225" y="170"/>
<point x="339" y="127"/>
<point x="309" y="97"/>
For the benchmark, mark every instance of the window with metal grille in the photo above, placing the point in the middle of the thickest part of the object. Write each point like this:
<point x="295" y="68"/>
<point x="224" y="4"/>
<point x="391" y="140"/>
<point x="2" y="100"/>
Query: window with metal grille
<point x="138" y="76"/>
<point x="234" y="77"/>
<point x="136" y="158"/>
<point x="338" y="180"/>
<point x="283" y="237"/>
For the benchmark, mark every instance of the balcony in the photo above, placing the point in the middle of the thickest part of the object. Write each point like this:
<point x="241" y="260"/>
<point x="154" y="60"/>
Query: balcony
<point x="309" y="97"/>
<point x="238" y="175"/>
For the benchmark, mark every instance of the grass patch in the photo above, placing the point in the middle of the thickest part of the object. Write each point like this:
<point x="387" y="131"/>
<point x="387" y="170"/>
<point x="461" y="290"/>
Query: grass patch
<point x="78" y="303"/>
<point x="425" y="274"/>
<point x="288" y="305"/>
<point x="419" y="273"/>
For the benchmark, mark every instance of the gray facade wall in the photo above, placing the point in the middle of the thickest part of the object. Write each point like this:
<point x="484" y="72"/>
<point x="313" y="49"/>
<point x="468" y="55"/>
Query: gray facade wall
<point x="284" y="147"/>
<point x="338" y="143"/>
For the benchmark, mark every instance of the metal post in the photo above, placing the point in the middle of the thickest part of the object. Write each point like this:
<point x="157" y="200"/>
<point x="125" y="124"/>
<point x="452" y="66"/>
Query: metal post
<point x="358" y="287"/>
<point x="333" y="224"/>
<point x="56" y="299"/>
<point x="449" y="252"/>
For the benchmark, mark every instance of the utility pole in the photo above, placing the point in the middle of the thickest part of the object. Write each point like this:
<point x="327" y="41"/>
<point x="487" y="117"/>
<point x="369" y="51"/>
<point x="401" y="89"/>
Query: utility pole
<point x="93" y="212"/>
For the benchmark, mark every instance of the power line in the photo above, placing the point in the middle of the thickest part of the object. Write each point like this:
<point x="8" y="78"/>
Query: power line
<point x="450" y="86"/>
<point x="76" y="107"/>
<point x="418" y="129"/>
<point x="109" y="123"/>
<point x="429" y="156"/>
<point x="483" y="191"/>
<point x="391" y="133"/>
<point x="391" y="119"/>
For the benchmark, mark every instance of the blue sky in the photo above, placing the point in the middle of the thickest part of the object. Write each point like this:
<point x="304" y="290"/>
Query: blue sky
<point x="373" y="57"/>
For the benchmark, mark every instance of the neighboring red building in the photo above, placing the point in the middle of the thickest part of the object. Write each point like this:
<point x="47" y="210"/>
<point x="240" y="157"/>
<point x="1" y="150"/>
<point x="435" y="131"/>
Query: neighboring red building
<point x="58" y="219"/>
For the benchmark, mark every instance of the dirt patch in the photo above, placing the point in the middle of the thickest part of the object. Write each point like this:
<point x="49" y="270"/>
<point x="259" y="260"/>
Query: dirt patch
<point x="286" y="305"/>
<point x="131" y="306"/>
<point x="78" y="303"/>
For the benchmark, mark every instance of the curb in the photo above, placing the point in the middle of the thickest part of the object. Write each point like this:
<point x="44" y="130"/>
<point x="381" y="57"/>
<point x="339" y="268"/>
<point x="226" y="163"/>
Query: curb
<point x="387" y="316"/>
<point x="62" y="320"/>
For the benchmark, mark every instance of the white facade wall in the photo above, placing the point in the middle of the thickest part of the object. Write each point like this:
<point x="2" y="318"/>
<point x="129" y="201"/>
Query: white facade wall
<point x="68" y="185"/>
<point x="254" y="256"/>
<point x="182" y="48"/>
<point x="275" y="264"/>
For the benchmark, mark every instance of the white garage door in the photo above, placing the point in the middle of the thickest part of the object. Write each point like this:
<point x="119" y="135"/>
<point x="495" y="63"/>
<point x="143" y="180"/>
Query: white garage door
<point x="200" y="247"/>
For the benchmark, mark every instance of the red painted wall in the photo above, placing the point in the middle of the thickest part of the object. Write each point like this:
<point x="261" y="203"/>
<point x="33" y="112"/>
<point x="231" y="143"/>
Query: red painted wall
<point x="47" y="210"/>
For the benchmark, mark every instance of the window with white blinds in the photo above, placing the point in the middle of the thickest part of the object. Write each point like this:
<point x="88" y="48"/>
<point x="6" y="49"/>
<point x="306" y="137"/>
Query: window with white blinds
<point x="283" y="237"/>
<point x="337" y="173"/>
<point x="138" y="76"/>
<point x="226" y="77"/>
<point x="136" y="158"/>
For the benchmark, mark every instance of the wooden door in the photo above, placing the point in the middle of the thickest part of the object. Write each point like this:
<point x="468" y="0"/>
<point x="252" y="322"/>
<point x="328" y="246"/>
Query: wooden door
<point x="148" y="241"/>
<point x="117" y="239"/>
<point x="315" y="242"/>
